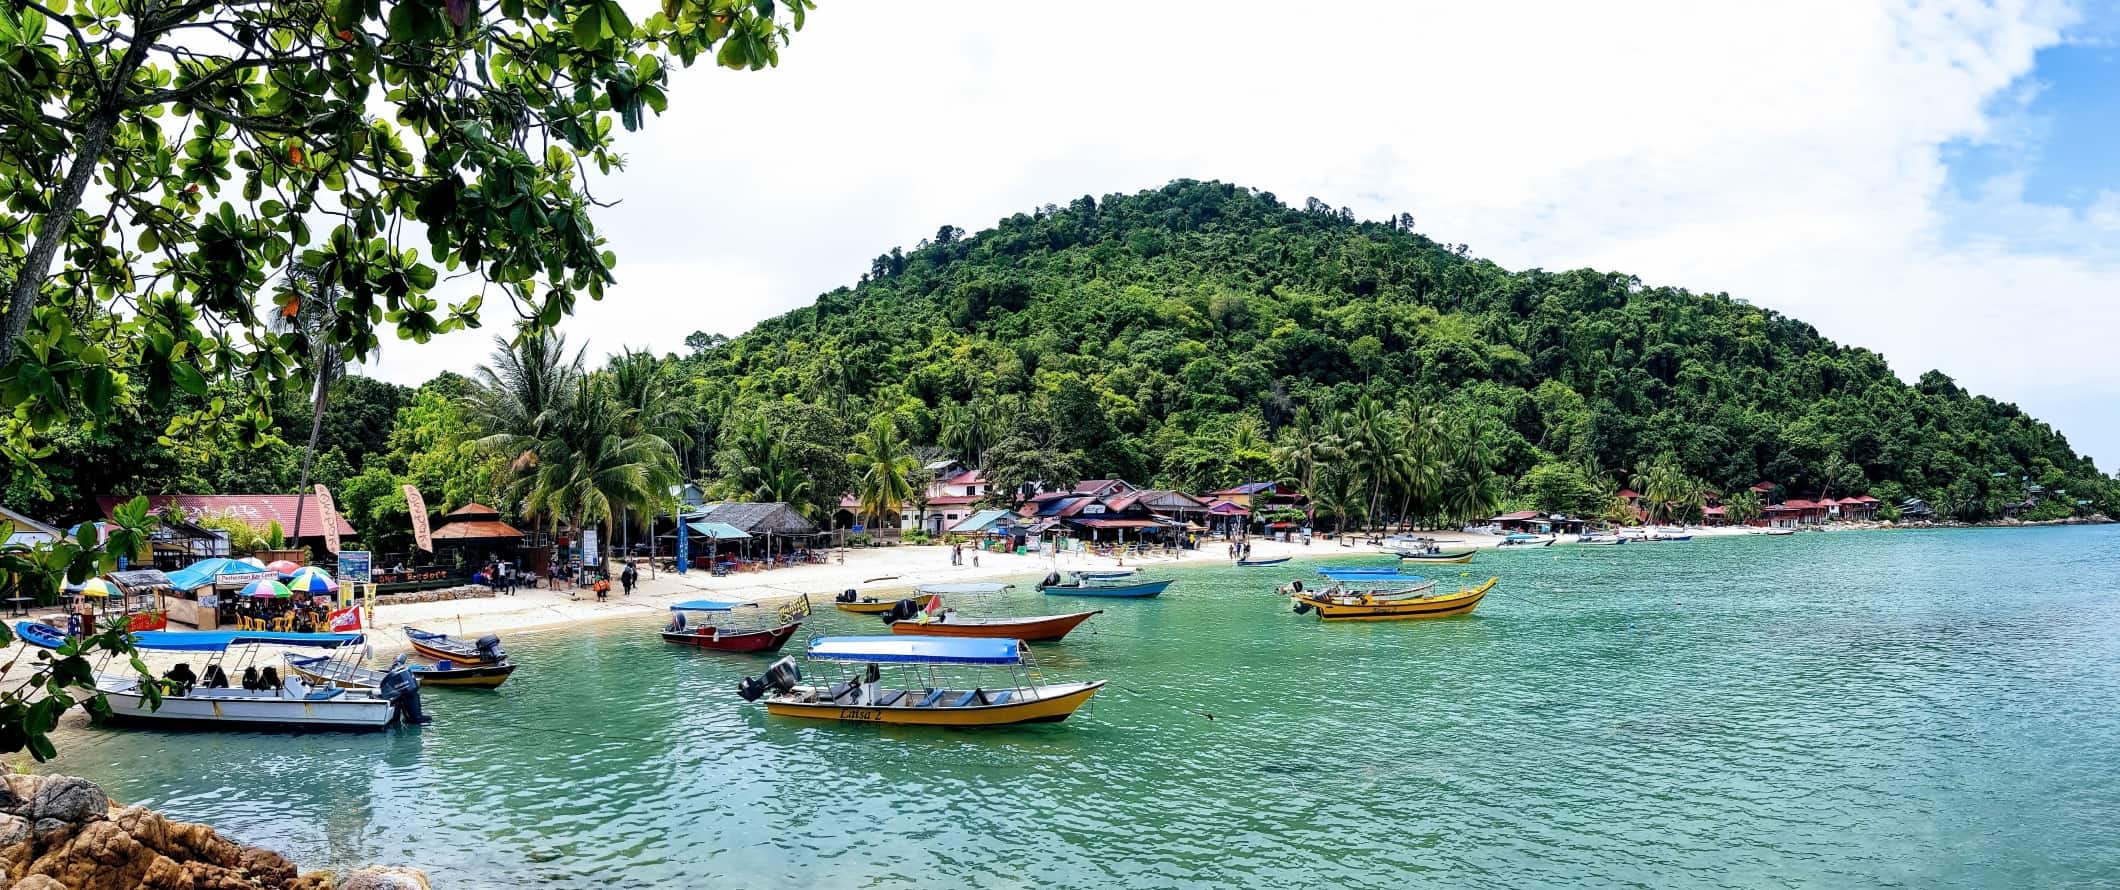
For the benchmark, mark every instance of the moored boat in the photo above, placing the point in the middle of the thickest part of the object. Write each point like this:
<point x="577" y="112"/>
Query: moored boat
<point x="755" y="631"/>
<point x="1055" y="585"/>
<point x="265" y="701"/>
<point x="443" y="647"/>
<point x="1390" y="605"/>
<point x="922" y="698"/>
<point x="1034" y="629"/>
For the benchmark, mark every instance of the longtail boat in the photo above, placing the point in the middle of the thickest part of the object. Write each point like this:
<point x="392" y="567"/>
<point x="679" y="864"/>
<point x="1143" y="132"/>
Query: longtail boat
<point x="1264" y="562"/>
<point x="443" y="647"/>
<point x="920" y="697"/>
<point x="1035" y="629"/>
<point x="325" y="671"/>
<point x="764" y="633"/>
<point x="1390" y="605"/>
<point x="1055" y="585"/>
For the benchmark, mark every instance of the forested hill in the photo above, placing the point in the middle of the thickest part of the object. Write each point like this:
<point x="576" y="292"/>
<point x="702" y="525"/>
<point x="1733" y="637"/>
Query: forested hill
<point x="1133" y="336"/>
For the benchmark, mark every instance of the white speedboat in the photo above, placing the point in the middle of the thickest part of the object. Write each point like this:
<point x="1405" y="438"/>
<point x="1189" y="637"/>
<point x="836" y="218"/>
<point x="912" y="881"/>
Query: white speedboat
<point x="263" y="700"/>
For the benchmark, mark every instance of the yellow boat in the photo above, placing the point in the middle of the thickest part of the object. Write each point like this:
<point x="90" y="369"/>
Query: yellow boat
<point x="864" y="698"/>
<point x="1334" y="605"/>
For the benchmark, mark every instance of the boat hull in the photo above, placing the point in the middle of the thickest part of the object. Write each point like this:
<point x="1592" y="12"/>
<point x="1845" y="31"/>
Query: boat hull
<point x="1042" y="629"/>
<point x="769" y="640"/>
<point x="242" y="710"/>
<point x="1441" y="606"/>
<point x="1054" y="704"/>
<point x="1443" y="559"/>
<point x="1135" y="591"/>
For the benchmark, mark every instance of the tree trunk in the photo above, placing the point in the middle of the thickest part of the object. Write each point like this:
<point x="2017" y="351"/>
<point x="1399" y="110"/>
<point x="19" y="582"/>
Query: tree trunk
<point x="52" y="230"/>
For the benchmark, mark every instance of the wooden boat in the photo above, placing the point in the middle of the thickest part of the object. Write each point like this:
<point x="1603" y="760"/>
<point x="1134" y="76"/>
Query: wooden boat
<point x="1091" y="587"/>
<point x="1337" y="605"/>
<point x="1439" y="559"/>
<point x="1264" y="562"/>
<point x="1035" y="629"/>
<point x="767" y="634"/>
<point x="443" y="647"/>
<point x="321" y="671"/>
<point x="207" y="699"/>
<point x="921" y="700"/>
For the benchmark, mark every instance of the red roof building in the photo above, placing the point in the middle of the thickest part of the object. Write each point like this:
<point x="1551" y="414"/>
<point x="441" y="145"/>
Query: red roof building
<point x="259" y="511"/>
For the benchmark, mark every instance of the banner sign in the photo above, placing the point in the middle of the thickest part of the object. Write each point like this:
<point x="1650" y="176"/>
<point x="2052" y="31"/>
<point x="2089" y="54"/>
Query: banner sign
<point x="356" y="566"/>
<point x="417" y="506"/>
<point x="328" y="513"/>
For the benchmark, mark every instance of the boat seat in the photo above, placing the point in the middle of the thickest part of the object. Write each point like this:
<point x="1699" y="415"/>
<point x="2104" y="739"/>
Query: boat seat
<point x="322" y="694"/>
<point x="963" y="700"/>
<point x="933" y="696"/>
<point x="889" y="698"/>
<point x="1000" y="698"/>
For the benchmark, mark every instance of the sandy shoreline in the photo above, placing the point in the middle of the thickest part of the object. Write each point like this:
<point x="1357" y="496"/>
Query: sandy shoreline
<point x="869" y="570"/>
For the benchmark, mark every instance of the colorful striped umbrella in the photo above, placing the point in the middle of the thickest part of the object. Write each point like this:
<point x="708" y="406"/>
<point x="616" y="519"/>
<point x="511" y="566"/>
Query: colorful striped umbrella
<point x="266" y="588"/>
<point x="312" y="580"/>
<point x="98" y="587"/>
<point x="283" y="567"/>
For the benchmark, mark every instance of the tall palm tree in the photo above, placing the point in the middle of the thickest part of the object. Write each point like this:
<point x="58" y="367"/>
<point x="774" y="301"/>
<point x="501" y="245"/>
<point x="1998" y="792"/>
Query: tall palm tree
<point x="883" y="470"/>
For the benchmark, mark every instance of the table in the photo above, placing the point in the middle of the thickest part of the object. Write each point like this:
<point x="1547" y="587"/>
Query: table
<point x="19" y="605"/>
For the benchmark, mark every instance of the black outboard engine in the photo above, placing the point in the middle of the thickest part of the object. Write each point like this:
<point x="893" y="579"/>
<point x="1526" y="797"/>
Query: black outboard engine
<point x="489" y="648"/>
<point x="781" y="677"/>
<point x="846" y="597"/>
<point x="402" y="690"/>
<point x="902" y="610"/>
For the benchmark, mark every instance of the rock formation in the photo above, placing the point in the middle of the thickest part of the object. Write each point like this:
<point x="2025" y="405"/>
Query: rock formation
<point x="63" y="833"/>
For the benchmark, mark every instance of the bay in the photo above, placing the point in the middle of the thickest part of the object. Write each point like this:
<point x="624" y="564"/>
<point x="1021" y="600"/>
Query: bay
<point x="1907" y="709"/>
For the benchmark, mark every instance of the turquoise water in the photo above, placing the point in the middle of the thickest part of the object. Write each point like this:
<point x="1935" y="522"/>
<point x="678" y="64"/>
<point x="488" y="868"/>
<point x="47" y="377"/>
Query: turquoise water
<point x="1914" y="709"/>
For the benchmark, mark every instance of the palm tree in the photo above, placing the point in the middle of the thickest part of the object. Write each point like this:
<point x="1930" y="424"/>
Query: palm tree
<point x="883" y="471"/>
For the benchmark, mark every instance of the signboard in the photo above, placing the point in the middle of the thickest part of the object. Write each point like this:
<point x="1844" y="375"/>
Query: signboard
<point x="417" y="506"/>
<point x="589" y="552"/>
<point x="328" y="514"/>
<point x="356" y="566"/>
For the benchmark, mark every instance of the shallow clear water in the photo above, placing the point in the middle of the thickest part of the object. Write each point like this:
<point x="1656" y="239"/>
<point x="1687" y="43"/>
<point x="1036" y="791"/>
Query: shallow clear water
<point x="1914" y="709"/>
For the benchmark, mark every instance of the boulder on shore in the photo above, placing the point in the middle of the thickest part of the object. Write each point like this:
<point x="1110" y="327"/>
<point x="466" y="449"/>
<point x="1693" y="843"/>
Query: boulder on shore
<point x="63" y="833"/>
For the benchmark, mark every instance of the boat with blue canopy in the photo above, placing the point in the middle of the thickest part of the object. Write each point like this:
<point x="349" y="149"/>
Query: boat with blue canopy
<point x="263" y="700"/>
<point x="762" y="626"/>
<point x="921" y="696"/>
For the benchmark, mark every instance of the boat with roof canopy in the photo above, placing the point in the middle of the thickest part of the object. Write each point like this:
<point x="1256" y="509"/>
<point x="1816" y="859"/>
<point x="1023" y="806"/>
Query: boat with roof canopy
<point x="762" y="626"/>
<point x="920" y="694"/>
<point x="264" y="700"/>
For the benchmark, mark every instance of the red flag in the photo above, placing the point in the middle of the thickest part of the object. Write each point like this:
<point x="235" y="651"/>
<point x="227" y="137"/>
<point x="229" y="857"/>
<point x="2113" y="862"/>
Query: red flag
<point x="345" y="620"/>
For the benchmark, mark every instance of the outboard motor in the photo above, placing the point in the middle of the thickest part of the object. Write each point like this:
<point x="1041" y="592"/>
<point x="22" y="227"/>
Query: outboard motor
<point x="402" y="690"/>
<point x="847" y="597"/>
<point x="902" y="610"/>
<point x="489" y="648"/>
<point x="781" y="677"/>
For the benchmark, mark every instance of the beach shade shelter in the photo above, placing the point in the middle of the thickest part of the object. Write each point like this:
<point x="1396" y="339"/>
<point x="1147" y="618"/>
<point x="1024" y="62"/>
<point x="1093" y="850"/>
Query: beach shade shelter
<point x="473" y="535"/>
<point x="312" y="581"/>
<point x="284" y="567"/>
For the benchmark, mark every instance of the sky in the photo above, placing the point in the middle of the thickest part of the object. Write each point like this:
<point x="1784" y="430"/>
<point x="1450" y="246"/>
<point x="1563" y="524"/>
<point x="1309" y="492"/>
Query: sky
<point x="1938" y="180"/>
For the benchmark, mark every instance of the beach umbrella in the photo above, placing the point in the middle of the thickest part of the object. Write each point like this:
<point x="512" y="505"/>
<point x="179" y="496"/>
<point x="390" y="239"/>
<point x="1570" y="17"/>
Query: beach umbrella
<point x="100" y="588"/>
<point x="266" y="588"/>
<point x="312" y="580"/>
<point x="283" y="567"/>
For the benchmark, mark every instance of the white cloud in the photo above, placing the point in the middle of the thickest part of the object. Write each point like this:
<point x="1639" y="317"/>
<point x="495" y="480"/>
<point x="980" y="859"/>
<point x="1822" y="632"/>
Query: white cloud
<point x="1786" y="154"/>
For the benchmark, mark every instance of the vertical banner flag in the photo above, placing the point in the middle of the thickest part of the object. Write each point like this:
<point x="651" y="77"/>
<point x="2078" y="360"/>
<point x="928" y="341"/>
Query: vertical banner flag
<point x="328" y="515"/>
<point x="417" y="506"/>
